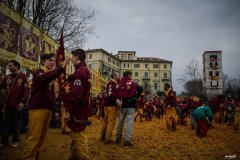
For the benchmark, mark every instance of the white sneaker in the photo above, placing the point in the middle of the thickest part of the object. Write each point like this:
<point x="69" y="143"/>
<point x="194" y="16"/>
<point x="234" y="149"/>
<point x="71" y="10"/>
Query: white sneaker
<point x="14" y="144"/>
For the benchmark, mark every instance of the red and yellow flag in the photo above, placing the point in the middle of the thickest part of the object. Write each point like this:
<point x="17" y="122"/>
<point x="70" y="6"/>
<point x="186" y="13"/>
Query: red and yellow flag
<point x="60" y="59"/>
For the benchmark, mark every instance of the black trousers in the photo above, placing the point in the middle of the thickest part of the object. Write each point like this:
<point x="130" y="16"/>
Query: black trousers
<point x="12" y="125"/>
<point x="149" y="113"/>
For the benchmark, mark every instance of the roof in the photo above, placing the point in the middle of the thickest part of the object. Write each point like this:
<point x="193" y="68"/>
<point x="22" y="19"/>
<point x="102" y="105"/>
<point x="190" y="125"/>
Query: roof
<point x="102" y="50"/>
<point x="119" y="52"/>
<point x="210" y="52"/>
<point x="152" y="59"/>
<point x="139" y="59"/>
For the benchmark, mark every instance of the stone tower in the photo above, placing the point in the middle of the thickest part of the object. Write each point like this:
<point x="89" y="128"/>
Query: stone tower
<point x="212" y="73"/>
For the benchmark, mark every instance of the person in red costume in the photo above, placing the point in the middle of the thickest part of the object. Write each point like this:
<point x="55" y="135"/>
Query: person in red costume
<point x="179" y="110"/>
<point x="100" y="104"/>
<point x="170" y="100"/>
<point x="17" y="92"/>
<point x="77" y="106"/>
<point x="110" y="109"/>
<point x="129" y="91"/>
<point x="41" y="103"/>
<point x="193" y="103"/>
<point x="140" y="108"/>
<point x="150" y="110"/>
<point x="217" y="104"/>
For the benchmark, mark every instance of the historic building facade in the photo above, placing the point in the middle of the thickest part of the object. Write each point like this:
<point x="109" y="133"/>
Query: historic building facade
<point x="151" y="73"/>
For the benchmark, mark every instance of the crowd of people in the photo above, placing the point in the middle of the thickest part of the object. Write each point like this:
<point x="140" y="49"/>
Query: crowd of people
<point x="121" y="99"/>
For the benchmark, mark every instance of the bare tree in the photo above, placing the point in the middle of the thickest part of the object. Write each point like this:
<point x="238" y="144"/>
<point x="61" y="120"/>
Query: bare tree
<point x="191" y="72"/>
<point x="232" y="86"/>
<point x="192" y="79"/>
<point x="194" y="87"/>
<point x="52" y="15"/>
<point x="225" y="80"/>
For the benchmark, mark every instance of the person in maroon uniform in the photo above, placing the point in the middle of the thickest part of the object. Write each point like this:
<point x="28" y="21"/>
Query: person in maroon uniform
<point x="16" y="97"/>
<point x="157" y="105"/>
<point x="150" y="110"/>
<point x="193" y="103"/>
<point x="94" y="103"/>
<point x="229" y="108"/>
<point x="170" y="100"/>
<point x="237" y="115"/>
<point x="217" y="104"/>
<point x="100" y="104"/>
<point x="161" y="106"/>
<point x="41" y="103"/>
<point x="77" y="106"/>
<point x="129" y="91"/>
<point x="110" y="109"/>
<point x="184" y="111"/>
<point x="140" y="106"/>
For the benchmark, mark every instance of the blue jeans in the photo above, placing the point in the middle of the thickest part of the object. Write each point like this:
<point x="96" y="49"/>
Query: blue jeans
<point x="179" y="112"/>
<point x="128" y="114"/>
<point x="192" y="117"/>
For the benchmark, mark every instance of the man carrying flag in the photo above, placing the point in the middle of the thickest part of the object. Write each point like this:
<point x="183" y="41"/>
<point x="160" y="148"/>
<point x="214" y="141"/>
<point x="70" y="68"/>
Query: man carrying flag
<point x="41" y="103"/>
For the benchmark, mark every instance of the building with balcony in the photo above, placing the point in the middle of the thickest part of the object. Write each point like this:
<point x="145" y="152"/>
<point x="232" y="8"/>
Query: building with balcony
<point x="151" y="73"/>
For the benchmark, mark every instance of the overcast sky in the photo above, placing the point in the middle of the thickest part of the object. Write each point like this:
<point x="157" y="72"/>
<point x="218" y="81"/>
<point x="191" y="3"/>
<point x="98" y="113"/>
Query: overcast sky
<point x="175" y="30"/>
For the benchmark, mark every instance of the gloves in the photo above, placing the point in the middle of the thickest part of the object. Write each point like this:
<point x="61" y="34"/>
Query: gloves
<point x="119" y="103"/>
<point x="208" y="121"/>
<point x="67" y="117"/>
<point x="132" y="100"/>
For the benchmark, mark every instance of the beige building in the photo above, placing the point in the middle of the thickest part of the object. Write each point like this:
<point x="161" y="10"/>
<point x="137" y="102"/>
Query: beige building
<point x="150" y="73"/>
